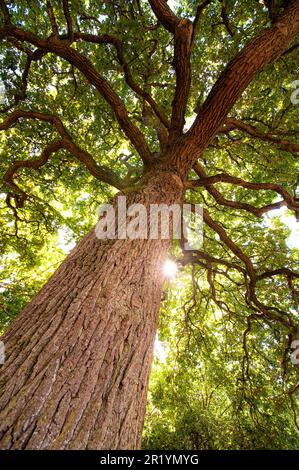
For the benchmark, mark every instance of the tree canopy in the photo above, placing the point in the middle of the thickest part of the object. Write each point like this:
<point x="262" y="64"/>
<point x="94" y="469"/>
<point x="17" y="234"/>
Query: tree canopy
<point x="95" y="92"/>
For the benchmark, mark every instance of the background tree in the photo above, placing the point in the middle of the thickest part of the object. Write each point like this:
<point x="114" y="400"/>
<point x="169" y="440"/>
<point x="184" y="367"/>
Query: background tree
<point x="165" y="105"/>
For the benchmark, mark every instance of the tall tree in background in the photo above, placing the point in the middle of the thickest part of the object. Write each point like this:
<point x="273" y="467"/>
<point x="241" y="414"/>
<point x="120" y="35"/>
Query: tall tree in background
<point x="97" y="94"/>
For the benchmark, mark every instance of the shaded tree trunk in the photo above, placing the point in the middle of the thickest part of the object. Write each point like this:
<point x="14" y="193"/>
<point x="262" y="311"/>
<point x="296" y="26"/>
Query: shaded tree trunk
<point x="78" y="357"/>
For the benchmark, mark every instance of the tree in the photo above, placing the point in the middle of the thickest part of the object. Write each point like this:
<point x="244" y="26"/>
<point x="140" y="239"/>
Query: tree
<point x="87" y="82"/>
<point x="206" y="394"/>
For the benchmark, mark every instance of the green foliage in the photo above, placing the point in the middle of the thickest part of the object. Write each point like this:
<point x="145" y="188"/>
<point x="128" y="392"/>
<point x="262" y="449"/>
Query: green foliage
<point x="204" y="393"/>
<point x="225" y="384"/>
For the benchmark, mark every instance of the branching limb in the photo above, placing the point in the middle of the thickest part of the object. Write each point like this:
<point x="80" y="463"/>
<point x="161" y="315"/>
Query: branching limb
<point x="98" y="171"/>
<point x="19" y="195"/>
<point x="191" y="256"/>
<point x="272" y="313"/>
<point x="273" y="7"/>
<point x="234" y="124"/>
<point x="164" y="14"/>
<point x="83" y="64"/>
<point x="21" y="94"/>
<point x="260" y="52"/>
<point x="208" y="181"/>
<point x="117" y="43"/>
<point x="220" y="199"/>
<point x="182" y="30"/>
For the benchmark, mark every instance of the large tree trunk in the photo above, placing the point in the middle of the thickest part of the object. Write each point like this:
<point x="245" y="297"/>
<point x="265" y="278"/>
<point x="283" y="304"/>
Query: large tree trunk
<point x="78" y="357"/>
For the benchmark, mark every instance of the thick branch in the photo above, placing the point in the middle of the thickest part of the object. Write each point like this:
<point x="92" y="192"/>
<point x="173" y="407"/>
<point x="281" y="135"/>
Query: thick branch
<point x="67" y="14"/>
<point x="164" y="14"/>
<point x="182" y="65"/>
<point x="260" y="52"/>
<point x="182" y="29"/>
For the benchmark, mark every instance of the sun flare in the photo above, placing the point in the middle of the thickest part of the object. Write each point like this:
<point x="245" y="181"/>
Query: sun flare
<point x="170" y="269"/>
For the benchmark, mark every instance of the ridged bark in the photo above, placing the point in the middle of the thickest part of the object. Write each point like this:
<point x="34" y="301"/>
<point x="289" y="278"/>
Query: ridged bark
<point x="78" y="357"/>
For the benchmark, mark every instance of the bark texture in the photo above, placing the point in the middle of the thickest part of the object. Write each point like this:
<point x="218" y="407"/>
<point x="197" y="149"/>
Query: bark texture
<point x="79" y="355"/>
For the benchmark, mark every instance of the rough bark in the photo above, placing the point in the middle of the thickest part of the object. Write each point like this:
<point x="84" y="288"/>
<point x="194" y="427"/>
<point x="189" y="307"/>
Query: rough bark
<point x="78" y="357"/>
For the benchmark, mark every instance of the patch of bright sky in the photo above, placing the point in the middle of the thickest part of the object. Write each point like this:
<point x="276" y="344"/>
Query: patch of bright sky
<point x="160" y="350"/>
<point x="172" y="4"/>
<point x="189" y="121"/>
<point x="293" y="239"/>
<point x="289" y="220"/>
<point x="64" y="243"/>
